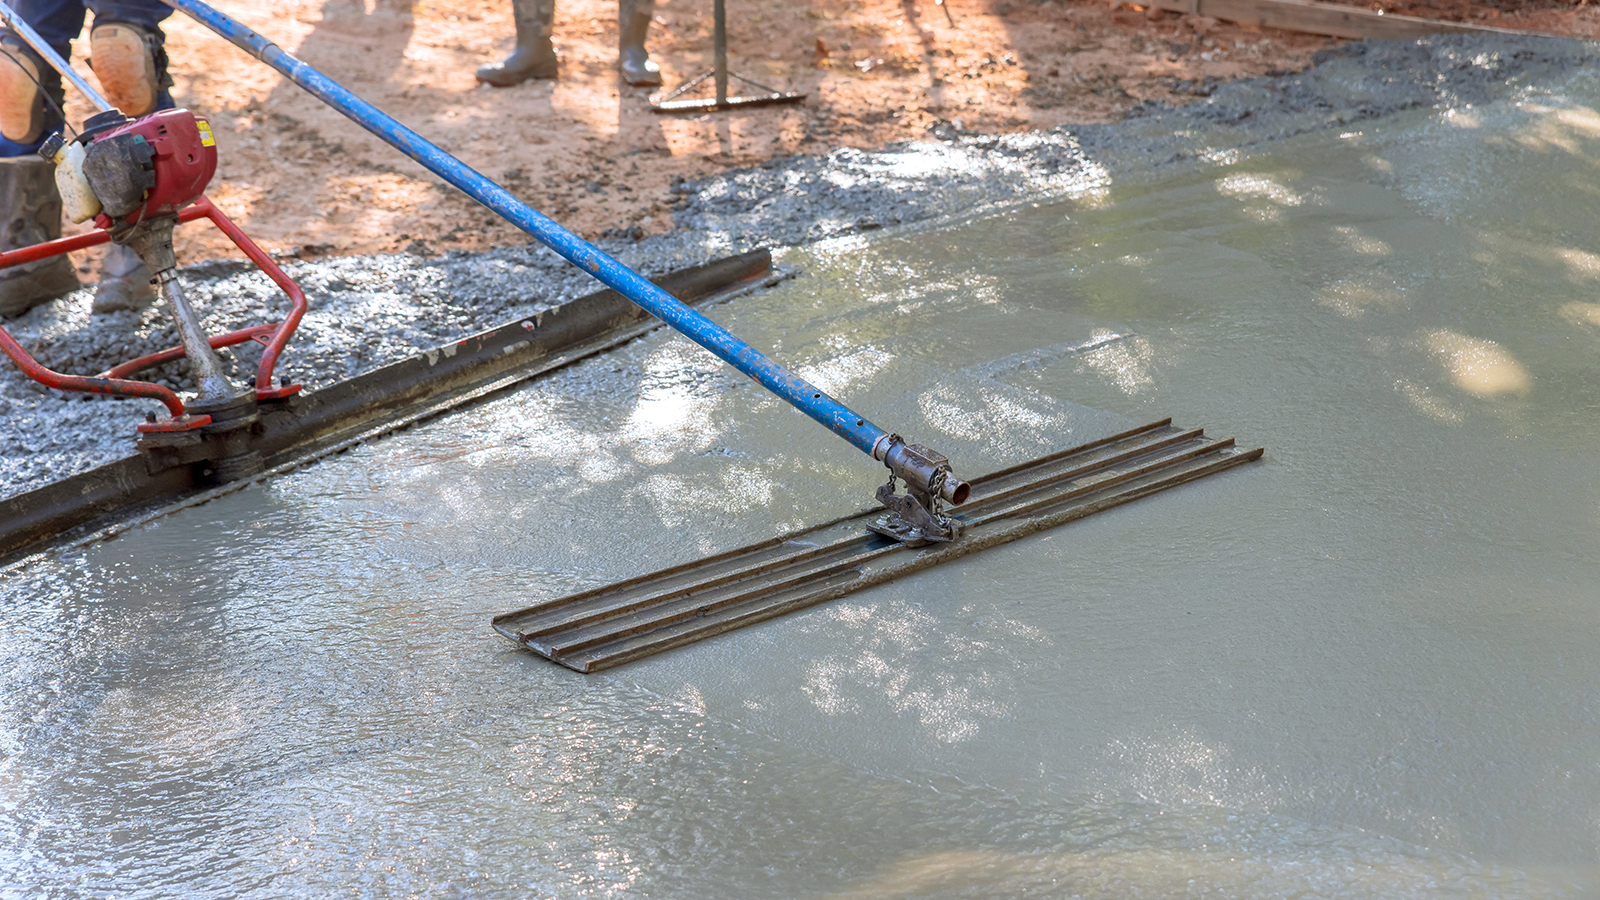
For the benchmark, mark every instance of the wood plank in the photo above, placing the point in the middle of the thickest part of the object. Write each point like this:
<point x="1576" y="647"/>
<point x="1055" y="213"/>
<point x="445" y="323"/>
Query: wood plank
<point x="1334" y="19"/>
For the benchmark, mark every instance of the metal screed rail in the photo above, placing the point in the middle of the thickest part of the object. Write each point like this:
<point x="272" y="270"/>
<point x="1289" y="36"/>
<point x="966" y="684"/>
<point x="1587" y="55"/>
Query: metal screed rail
<point x="928" y="474"/>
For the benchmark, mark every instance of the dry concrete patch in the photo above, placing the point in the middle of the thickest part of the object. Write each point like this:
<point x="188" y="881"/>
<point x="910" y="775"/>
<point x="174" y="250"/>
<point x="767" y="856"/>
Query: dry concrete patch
<point x="369" y="311"/>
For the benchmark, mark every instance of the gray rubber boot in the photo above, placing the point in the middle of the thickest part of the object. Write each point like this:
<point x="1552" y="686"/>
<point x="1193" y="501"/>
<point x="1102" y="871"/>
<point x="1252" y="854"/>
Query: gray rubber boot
<point x="633" y="25"/>
<point x="124" y="282"/>
<point x="534" y="56"/>
<point x="31" y="211"/>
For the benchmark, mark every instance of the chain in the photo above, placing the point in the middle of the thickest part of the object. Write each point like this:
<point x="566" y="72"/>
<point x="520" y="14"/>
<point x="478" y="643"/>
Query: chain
<point x="935" y="487"/>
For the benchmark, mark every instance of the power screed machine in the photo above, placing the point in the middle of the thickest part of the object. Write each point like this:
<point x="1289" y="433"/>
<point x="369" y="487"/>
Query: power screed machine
<point x="137" y="179"/>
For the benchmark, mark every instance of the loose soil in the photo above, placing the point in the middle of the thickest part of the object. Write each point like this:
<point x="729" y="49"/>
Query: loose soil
<point x="589" y="151"/>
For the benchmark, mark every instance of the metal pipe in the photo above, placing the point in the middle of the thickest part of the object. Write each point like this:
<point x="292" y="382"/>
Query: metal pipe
<point x="205" y="369"/>
<point x="719" y="14"/>
<point x="806" y="397"/>
<point x="116" y="387"/>
<point x="297" y="299"/>
<point x="26" y="32"/>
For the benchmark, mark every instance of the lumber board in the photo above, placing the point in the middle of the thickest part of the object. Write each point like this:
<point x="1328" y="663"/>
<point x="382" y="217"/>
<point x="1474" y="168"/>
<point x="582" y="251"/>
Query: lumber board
<point x="1333" y="19"/>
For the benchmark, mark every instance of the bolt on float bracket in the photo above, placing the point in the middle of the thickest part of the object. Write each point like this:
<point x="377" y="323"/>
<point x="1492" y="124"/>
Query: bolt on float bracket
<point x="917" y="517"/>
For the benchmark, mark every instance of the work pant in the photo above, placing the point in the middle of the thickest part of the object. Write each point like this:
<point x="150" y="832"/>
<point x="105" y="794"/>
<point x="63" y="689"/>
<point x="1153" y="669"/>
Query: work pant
<point x="58" y="22"/>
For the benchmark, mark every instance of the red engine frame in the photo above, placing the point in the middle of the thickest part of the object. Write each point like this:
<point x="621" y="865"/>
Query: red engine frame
<point x="185" y="159"/>
<point x="115" y="381"/>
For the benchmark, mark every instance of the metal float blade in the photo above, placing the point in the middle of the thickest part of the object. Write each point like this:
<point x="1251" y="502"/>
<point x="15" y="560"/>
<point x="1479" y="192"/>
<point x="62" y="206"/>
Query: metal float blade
<point x="620" y="623"/>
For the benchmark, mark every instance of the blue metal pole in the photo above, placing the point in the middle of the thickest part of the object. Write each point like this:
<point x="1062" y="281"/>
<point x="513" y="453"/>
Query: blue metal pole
<point x="804" y="396"/>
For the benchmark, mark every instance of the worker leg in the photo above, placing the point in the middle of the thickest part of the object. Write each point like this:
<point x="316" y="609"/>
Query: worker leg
<point x="57" y="21"/>
<point x="633" y="23"/>
<point x="128" y="50"/>
<point x="534" y="56"/>
<point x="130" y="61"/>
<point x="30" y="109"/>
<point x="30" y="90"/>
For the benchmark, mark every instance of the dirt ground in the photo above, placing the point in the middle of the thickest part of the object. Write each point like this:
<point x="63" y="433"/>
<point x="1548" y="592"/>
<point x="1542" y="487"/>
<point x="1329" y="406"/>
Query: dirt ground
<point x="588" y="150"/>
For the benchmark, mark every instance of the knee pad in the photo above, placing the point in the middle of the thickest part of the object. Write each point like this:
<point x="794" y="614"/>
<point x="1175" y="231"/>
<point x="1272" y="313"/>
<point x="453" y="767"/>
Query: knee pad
<point x="26" y="116"/>
<point x="130" y="63"/>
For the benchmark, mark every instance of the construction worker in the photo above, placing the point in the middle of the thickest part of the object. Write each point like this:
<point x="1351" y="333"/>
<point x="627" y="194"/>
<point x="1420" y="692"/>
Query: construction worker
<point x="534" y="57"/>
<point x="125" y="48"/>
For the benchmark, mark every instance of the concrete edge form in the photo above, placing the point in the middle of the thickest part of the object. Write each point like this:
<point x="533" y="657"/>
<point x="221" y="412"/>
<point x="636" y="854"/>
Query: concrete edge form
<point x="1335" y="19"/>
<point x="370" y="404"/>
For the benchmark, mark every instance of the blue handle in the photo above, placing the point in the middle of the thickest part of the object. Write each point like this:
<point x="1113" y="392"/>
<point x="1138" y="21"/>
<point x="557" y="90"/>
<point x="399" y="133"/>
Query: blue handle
<point x="807" y="398"/>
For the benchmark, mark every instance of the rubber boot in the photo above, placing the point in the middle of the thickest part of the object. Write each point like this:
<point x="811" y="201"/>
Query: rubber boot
<point x="130" y="63"/>
<point x="633" y="24"/>
<point x="30" y="213"/>
<point x="534" y="56"/>
<point x="124" y="282"/>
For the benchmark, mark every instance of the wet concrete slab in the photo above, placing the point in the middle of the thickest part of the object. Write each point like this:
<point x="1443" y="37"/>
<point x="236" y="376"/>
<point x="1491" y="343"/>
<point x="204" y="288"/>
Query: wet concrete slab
<point x="369" y="311"/>
<point x="1360" y="668"/>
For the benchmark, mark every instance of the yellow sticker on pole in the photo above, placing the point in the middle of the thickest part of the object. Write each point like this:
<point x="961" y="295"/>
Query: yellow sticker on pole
<point x="205" y="133"/>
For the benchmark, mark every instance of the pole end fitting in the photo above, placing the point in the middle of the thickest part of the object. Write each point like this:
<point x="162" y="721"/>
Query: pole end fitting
<point x="915" y="518"/>
<point x="924" y="471"/>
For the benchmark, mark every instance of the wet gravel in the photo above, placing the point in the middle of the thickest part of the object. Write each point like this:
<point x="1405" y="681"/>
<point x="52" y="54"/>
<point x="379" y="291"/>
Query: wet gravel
<point x="368" y="311"/>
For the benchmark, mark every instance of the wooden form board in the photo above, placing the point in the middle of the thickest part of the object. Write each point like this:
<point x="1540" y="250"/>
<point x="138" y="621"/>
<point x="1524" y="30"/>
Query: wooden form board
<point x="1332" y="19"/>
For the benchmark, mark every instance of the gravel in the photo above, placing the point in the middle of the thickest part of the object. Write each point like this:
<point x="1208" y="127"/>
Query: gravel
<point x="368" y="311"/>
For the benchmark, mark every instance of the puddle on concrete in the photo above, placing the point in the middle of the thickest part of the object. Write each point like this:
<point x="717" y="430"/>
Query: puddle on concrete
<point x="1364" y="667"/>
